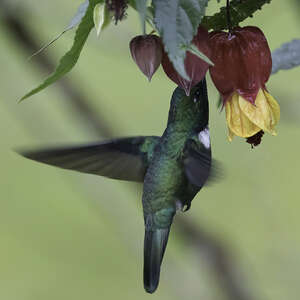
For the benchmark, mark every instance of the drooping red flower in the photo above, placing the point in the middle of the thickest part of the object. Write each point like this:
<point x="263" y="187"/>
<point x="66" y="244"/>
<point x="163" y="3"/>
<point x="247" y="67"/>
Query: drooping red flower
<point x="146" y="51"/>
<point x="195" y="67"/>
<point x="242" y="62"/>
<point x="242" y="66"/>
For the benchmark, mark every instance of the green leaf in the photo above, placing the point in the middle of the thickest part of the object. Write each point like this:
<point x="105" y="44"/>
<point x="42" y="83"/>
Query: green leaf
<point x="239" y="11"/>
<point x="81" y="11"/>
<point x="193" y="49"/>
<point x="141" y="6"/>
<point x="69" y="60"/>
<point x="101" y="17"/>
<point x="177" y="22"/>
<point x="132" y="3"/>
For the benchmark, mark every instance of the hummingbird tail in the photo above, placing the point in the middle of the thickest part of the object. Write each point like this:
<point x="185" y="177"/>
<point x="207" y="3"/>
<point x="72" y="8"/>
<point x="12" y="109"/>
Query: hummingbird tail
<point x="154" y="248"/>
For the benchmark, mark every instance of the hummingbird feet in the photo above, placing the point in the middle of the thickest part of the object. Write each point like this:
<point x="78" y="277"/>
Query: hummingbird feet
<point x="183" y="206"/>
<point x="187" y="206"/>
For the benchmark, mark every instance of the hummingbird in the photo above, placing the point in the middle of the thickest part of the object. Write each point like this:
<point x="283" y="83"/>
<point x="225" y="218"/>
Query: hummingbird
<point x="173" y="168"/>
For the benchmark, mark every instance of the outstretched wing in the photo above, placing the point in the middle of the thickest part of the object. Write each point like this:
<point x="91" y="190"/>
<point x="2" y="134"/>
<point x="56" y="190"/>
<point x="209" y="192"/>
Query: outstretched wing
<point x="197" y="160"/>
<point x="124" y="159"/>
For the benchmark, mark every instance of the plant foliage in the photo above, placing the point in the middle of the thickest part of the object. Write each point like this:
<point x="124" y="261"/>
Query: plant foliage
<point x="176" y="21"/>
<point x="69" y="60"/>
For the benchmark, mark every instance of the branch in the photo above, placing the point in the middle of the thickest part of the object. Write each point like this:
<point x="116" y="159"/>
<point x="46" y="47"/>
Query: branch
<point x="221" y="261"/>
<point x="286" y="57"/>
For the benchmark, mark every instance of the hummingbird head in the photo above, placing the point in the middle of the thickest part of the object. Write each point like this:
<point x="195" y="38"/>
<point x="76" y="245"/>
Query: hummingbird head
<point x="190" y="110"/>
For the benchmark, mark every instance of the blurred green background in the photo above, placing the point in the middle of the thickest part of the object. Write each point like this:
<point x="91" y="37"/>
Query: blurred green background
<point x="72" y="236"/>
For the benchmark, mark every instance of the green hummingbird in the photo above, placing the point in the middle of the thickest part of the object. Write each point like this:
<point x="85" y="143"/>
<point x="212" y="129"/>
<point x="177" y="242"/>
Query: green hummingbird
<point x="173" y="168"/>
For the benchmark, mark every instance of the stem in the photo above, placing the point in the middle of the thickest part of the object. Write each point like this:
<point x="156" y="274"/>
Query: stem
<point x="228" y="16"/>
<point x="144" y="27"/>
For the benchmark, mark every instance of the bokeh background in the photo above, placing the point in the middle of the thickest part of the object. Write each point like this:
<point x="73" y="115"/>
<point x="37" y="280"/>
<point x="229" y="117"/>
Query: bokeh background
<point x="73" y="236"/>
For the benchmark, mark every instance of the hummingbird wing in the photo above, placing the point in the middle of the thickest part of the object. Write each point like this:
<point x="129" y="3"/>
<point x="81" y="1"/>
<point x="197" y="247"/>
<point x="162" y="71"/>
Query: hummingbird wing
<point x="124" y="158"/>
<point x="197" y="158"/>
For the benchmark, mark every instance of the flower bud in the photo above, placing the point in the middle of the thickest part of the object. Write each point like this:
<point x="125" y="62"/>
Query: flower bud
<point x="242" y="62"/>
<point x="146" y="51"/>
<point x="195" y="67"/>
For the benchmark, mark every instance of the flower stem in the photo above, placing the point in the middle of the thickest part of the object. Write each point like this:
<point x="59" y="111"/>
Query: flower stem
<point x="229" y="24"/>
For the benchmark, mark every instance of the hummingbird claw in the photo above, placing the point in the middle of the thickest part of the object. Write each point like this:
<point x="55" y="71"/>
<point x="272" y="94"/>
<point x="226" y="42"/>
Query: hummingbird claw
<point x="182" y="207"/>
<point x="187" y="207"/>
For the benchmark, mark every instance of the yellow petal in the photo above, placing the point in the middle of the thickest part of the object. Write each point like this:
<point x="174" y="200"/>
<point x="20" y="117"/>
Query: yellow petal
<point x="231" y="135"/>
<point x="264" y="114"/>
<point x="275" y="108"/>
<point x="238" y="123"/>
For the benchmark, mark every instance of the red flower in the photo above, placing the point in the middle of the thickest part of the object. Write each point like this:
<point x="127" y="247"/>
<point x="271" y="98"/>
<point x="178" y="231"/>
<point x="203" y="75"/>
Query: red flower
<point x="195" y="67"/>
<point x="242" y="62"/>
<point x="242" y="66"/>
<point x="146" y="51"/>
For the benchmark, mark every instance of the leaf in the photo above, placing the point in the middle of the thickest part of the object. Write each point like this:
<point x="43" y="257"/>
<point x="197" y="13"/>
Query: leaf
<point x="69" y="60"/>
<point x="73" y="23"/>
<point x="177" y="22"/>
<point x="193" y="49"/>
<point x="101" y="17"/>
<point x="239" y="11"/>
<point x="141" y="6"/>
<point x="132" y="3"/>
<point x="79" y="15"/>
<point x="286" y="57"/>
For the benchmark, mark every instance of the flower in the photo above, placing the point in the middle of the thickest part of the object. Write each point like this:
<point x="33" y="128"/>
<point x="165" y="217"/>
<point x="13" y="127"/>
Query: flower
<point x="146" y="51"/>
<point x="118" y="8"/>
<point x="195" y="67"/>
<point x="245" y="119"/>
<point x="242" y="66"/>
